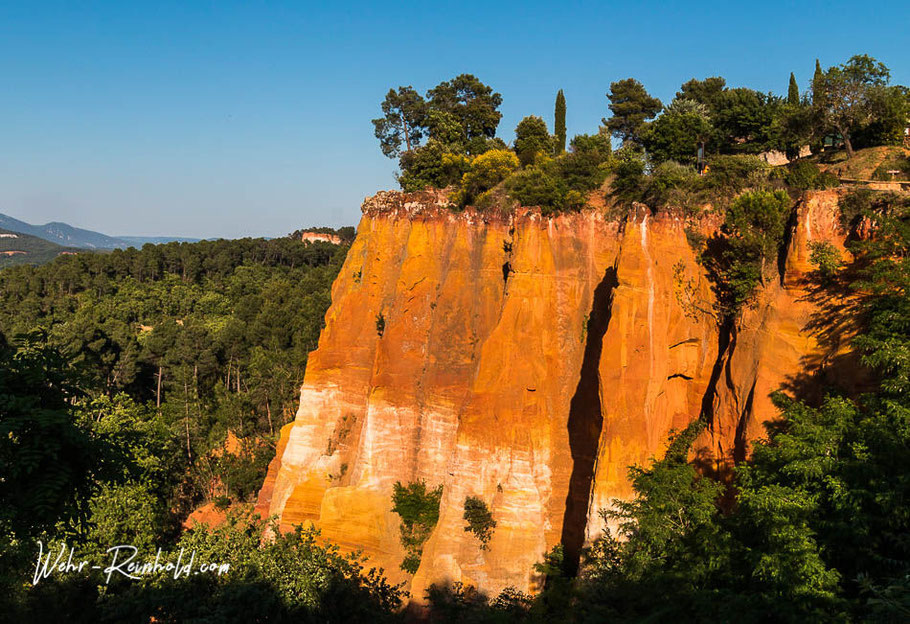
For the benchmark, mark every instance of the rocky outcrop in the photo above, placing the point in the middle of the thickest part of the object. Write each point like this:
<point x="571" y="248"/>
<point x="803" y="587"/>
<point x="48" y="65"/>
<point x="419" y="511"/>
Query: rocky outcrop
<point x="527" y="361"/>
<point x="314" y="237"/>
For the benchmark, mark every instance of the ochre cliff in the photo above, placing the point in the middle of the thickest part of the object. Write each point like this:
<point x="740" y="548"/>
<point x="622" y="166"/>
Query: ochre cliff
<point x="528" y="361"/>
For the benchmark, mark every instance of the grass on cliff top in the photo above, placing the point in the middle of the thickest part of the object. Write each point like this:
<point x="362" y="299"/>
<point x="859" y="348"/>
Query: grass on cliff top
<point x="865" y="163"/>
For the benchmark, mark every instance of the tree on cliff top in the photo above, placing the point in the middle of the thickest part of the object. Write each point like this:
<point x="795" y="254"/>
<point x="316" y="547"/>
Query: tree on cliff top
<point x="707" y="92"/>
<point x="472" y="102"/>
<point x="532" y="139"/>
<point x="844" y="96"/>
<point x="404" y="116"/>
<point x="793" y="91"/>
<point x="559" y="123"/>
<point x="676" y="134"/>
<point x="631" y="106"/>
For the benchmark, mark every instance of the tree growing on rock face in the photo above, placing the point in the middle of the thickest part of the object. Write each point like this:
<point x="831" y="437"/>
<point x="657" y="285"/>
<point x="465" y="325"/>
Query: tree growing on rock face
<point x="532" y="139"/>
<point x="631" y="106"/>
<point x="404" y="115"/>
<point x="844" y="96"/>
<point x="559" y="122"/>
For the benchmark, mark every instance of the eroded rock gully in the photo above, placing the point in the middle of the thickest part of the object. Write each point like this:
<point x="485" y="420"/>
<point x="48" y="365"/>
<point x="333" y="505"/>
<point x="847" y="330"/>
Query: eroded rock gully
<point x="528" y="361"/>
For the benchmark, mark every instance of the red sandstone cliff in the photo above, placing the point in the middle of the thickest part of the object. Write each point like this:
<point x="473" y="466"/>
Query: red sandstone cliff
<point x="528" y="361"/>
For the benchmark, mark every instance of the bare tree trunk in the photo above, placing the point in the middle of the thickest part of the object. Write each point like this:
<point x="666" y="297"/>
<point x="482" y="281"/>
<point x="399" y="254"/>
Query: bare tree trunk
<point x="847" y="144"/>
<point x="196" y="390"/>
<point x="268" y="413"/>
<point x="407" y="135"/>
<point x="158" y="393"/>
<point x="186" y="420"/>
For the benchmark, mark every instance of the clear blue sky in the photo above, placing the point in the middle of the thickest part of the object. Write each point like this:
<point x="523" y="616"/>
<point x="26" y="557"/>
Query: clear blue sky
<point x="253" y="118"/>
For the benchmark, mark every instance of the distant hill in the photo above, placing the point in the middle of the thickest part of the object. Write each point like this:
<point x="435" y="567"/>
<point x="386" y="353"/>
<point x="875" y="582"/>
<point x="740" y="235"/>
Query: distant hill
<point x="17" y="248"/>
<point x="69" y="236"/>
<point x="63" y="234"/>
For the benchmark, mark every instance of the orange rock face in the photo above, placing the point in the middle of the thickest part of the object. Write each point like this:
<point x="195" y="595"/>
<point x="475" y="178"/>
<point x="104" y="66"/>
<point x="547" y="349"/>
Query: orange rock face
<point x="313" y="237"/>
<point x="527" y="361"/>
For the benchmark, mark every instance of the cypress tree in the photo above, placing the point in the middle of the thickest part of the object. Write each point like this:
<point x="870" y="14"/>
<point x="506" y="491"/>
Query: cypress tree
<point x="793" y="91"/>
<point x="560" y="123"/>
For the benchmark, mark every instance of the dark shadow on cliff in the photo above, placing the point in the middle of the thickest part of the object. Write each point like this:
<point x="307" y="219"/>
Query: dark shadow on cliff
<point x="837" y="319"/>
<point x="585" y="423"/>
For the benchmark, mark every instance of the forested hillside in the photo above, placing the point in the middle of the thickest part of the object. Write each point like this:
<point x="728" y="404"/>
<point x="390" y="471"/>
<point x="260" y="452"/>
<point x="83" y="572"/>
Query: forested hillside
<point x="140" y="362"/>
<point x="215" y="335"/>
<point x="17" y="248"/>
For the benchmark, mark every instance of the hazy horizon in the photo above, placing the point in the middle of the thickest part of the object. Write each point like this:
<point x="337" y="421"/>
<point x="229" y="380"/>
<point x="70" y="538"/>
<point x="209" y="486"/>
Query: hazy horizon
<point x="192" y="120"/>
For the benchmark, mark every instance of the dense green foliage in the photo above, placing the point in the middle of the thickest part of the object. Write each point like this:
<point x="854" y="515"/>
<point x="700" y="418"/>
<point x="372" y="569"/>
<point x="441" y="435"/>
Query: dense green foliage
<point x="851" y="96"/>
<point x="213" y="330"/>
<point x="803" y="175"/>
<point x="532" y="140"/>
<point x="485" y="172"/>
<point x="707" y="124"/>
<point x="474" y="105"/>
<point x="49" y="464"/>
<point x="125" y="373"/>
<point x="745" y="251"/>
<point x="561" y="183"/>
<point x="631" y="106"/>
<point x="293" y="577"/>
<point x="431" y="166"/>
<point x="459" y="118"/>
<point x="418" y="509"/>
<point x="678" y="132"/>
<point x="675" y="186"/>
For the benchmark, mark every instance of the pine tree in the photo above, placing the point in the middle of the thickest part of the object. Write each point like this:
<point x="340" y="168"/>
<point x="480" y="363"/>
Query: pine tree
<point x="793" y="91"/>
<point x="631" y="106"/>
<point x="560" y="123"/>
